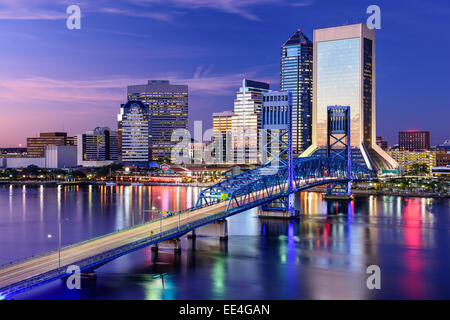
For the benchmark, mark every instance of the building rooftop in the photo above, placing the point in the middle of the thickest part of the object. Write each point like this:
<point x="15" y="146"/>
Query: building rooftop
<point x="297" y="38"/>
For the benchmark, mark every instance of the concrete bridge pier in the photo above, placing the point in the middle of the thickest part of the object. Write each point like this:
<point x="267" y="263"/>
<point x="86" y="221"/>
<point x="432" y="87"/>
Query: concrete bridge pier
<point x="174" y="244"/>
<point x="284" y="208"/>
<point x="214" y="229"/>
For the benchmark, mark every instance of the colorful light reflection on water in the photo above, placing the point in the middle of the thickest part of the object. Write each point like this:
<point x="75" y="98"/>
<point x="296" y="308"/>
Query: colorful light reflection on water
<point x="322" y="255"/>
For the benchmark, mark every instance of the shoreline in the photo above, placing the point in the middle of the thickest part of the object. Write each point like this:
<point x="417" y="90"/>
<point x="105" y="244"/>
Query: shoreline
<point x="356" y="192"/>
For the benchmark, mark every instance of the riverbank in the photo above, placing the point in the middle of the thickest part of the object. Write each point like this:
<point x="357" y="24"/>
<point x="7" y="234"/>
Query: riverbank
<point x="75" y="183"/>
<point x="356" y="192"/>
<point x="361" y="192"/>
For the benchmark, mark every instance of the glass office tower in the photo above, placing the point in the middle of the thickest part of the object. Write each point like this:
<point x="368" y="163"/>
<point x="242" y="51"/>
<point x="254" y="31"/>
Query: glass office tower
<point x="134" y="127"/>
<point x="344" y="74"/>
<point x="168" y="108"/>
<point x="246" y="121"/>
<point x="296" y="76"/>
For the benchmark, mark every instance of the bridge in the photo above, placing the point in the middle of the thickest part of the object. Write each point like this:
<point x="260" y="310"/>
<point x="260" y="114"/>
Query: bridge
<point x="234" y="195"/>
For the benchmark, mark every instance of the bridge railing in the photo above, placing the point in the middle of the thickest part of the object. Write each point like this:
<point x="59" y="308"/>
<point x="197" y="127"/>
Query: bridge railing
<point x="47" y="253"/>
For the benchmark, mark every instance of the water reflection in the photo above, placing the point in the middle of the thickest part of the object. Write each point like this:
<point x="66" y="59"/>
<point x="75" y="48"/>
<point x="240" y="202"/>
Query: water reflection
<point x="323" y="254"/>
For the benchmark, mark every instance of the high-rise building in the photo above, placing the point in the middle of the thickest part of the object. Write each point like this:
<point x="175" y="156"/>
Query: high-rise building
<point x="275" y="119"/>
<point x="134" y="128"/>
<point x="414" y="140"/>
<point x="246" y="121"/>
<point x="98" y="147"/>
<point x="297" y="77"/>
<point x="36" y="146"/>
<point x="222" y="129"/>
<point x="344" y="74"/>
<point x="168" y="110"/>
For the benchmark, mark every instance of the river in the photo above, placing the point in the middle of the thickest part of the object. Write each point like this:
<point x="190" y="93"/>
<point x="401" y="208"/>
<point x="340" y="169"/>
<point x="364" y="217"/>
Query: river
<point x="324" y="254"/>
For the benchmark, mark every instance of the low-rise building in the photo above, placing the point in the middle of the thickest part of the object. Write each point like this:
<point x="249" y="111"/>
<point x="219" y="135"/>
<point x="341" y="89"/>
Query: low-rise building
<point x="59" y="157"/>
<point x="441" y="171"/>
<point x="406" y="159"/>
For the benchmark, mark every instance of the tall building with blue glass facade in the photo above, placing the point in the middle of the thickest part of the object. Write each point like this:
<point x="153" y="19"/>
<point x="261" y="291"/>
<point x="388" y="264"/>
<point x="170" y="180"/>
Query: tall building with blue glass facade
<point x="134" y="133"/>
<point x="344" y="74"/>
<point x="297" y="77"/>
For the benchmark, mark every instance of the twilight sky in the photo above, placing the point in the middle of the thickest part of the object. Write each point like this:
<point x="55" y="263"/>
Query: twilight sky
<point x="54" y="79"/>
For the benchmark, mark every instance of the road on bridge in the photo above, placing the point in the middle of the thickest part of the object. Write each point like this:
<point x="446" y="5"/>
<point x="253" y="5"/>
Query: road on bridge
<point x="46" y="263"/>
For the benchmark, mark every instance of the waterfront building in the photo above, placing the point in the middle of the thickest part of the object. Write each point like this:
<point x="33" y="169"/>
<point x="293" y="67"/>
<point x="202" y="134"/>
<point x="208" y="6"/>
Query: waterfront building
<point x="344" y="74"/>
<point x="134" y="129"/>
<point x="222" y="129"/>
<point x="36" y="146"/>
<point x="297" y="76"/>
<point x="98" y="147"/>
<point x="246" y="121"/>
<point x="59" y="157"/>
<point x="443" y="172"/>
<point x="55" y="157"/>
<point x="414" y="140"/>
<point x="442" y="158"/>
<point x="168" y="111"/>
<point x="406" y="159"/>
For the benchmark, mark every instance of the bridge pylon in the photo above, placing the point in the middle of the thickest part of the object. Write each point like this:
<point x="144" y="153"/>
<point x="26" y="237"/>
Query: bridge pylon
<point x="339" y="147"/>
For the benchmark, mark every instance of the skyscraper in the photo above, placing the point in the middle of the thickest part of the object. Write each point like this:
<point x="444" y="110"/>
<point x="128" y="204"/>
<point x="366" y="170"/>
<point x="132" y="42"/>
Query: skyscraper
<point x="246" y="121"/>
<point x="97" y="147"/>
<point x="168" y="110"/>
<point x="297" y="77"/>
<point x="344" y="74"/>
<point x="134" y="127"/>
<point x="414" y="140"/>
<point x="222" y="128"/>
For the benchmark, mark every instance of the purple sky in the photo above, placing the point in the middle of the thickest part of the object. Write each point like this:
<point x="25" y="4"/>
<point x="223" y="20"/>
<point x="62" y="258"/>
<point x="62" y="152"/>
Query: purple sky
<point x="53" y="79"/>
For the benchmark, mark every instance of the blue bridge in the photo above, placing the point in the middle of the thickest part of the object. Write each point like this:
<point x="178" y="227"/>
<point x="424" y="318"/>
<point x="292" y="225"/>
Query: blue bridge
<point x="236" y="194"/>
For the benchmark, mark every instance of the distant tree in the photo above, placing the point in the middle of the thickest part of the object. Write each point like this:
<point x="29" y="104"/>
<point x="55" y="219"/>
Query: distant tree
<point x="31" y="170"/>
<point x="418" y="169"/>
<point x="79" y="174"/>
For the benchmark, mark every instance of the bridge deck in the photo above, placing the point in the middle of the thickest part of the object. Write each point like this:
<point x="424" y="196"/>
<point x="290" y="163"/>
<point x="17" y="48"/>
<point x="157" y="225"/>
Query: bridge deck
<point x="74" y="254"/>
<point x="90" y="254"/>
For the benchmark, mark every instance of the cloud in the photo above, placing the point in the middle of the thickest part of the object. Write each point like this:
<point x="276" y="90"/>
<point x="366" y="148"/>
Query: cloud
<point x="163" y="10"/>
<point x="113" y="89"/>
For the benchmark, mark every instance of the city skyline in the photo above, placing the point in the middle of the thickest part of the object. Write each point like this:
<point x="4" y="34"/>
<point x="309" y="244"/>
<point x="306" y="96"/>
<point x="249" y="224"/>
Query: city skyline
<point x="86" y="87"/>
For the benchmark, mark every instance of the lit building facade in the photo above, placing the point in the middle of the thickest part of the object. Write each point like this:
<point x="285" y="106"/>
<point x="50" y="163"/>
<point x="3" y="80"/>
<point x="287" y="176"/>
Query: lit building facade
<point x="98" y="147"/>
<point x="275" y="119"/>
<point x="297" y="77"/>
<point x="406" y="159"/>
<point x="134" y="128"/>
<point x="246" y="121"/>
<point x="344" y="74"/>
<point x="36" y="146"/>
<point x="222" y="129"/>
<point x="414" y="140"/>
<point x="442" y="159"/>
<point x="168" y="111"/>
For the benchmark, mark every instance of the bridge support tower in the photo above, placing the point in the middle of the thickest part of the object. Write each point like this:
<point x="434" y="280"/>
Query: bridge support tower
<point x="339" y="147"/>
